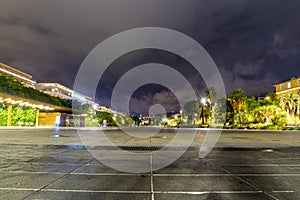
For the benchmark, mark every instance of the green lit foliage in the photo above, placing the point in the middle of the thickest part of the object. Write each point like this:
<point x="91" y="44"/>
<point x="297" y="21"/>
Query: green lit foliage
<point x="211" y="95"/>
<point x="19" y="116"/>
<point x="158" y="120"/>
<point x="23" y="116"/>
<point x="3" y="114"/>
<point x="290" y="103"/>
<point x="191" y="110"/>
<point x="266" y="114"/>
<point x="101" y="116"/>
<point x="218" y="114"/>
<point x="237" y="100"/>
<point x="86" y="108"/>
<point x="123" y="120"/>
<point x="136" y="119"/>
<point x="9" y="85"/>
<point x="91" y="121"/>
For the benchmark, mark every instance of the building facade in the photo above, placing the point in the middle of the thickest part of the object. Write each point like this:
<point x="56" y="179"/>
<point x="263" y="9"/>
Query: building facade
<point x="24" y="78"/>
<point x="63" y="92"/>
<point x="290" y="86"/>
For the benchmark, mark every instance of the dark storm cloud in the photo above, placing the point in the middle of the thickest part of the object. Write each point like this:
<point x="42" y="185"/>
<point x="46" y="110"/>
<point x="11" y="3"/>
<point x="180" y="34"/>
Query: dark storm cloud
<point x="254" y="43"/>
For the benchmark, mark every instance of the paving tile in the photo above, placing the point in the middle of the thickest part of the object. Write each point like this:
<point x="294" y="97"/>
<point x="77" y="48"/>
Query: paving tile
<point x="274" y="183"/>
<point x="199" y="183"/>
<point x="75" y="157"/>
<point x="41" y="167"/>
<point x="14" y="194"/>
<point x="287" y="195"/>
<point x="186" y="165"/>
<point x="287" y="161"/>
<point x="263" y="169"/>
<point x="26" y="180"/>
<point x="97" y="169"/>
<point x="103" y="183"/>
<point x="212" y="196"/>
<point x="134" y="162"/>
<point x="87" y="195"/>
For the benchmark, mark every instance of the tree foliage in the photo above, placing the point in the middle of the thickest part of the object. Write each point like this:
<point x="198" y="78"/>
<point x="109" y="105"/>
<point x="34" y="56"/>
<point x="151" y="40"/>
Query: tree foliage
<point x="191" y="110"/>
<point x="101" y="116"/>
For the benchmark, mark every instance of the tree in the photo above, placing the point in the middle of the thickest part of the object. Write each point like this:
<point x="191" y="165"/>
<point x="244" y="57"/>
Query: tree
<point x="297" y="96"/>
<point x="219" y="111"/>
<point x="250" y="105"/>
<point x="136" y="120"/>
<point x="288" y="102"/>
<point x="211" y="95"/>
<point x="272" y="96"/>
<point x="101" y="116"/>
<point x="237" y="100"/>
<point x="191" y="109"/>
<point x="265" y="114"/>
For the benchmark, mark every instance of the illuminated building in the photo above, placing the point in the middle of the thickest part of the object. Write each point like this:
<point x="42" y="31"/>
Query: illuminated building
<point x="105" y="109"/>
<point x="23" y="77"/>
<point x="290" y="86"/>
<point x="63" y="92"/>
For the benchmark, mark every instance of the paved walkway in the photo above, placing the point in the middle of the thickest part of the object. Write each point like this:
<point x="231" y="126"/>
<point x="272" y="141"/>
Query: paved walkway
<point x="244" y="165"/>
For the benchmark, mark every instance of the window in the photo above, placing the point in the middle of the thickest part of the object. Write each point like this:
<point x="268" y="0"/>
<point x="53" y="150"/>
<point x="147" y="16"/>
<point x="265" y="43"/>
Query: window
<point x="281" y="87"/>
<point x="298" y="81"/>
<point x="289" y="85"/>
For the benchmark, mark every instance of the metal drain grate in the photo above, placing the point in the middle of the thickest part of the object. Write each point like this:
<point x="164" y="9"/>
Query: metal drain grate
<point x="140" y="148"/>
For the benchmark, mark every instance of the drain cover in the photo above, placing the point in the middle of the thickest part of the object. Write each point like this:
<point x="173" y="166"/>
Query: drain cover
<point x="140" y="148"/>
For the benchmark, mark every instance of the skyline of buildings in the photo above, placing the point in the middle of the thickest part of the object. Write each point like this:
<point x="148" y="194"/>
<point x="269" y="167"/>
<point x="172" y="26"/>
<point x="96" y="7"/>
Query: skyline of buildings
<point x="63" y="92"/>
<point x="53" y="89"/>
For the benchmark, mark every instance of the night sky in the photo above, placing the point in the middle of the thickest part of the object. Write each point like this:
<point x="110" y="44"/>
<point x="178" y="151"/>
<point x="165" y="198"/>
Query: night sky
<point x="255" y="44"/>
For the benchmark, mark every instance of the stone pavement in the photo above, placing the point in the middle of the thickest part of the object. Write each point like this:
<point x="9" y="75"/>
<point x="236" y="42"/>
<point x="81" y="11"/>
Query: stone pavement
<point x="244" y="165"/>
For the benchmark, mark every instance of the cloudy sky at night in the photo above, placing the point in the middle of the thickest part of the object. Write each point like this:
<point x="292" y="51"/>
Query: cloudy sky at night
<point x="255" y="44"/>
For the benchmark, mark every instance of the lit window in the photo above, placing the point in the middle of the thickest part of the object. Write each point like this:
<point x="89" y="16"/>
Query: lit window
<point x="289" y="85"/>
<point x="281" y="87"/>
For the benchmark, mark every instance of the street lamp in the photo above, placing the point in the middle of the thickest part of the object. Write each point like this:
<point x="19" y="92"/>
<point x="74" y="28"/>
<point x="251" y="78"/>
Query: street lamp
<point x="203" y="101"/>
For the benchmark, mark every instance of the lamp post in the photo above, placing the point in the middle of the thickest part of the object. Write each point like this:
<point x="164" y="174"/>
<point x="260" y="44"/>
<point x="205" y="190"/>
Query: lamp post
<point x="203" y="101"/>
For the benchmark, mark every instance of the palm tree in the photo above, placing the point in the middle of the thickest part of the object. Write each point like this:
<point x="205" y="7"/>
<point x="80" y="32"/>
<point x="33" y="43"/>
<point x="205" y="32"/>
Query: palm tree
<point x="237" y="100"/>
<point x="297" y="100"/>
<point x="211" y="95"/>
<point x="298" y="103"/>
<point x="288" y="103"/>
